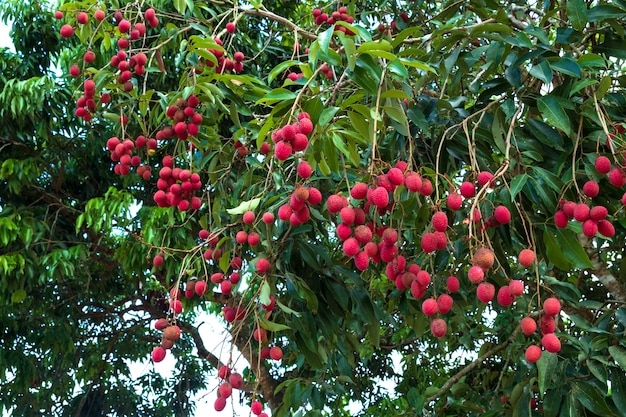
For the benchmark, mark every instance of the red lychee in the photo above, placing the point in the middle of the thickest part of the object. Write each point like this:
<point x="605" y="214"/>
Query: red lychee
<point x="560" y="219"/>
<point x="262" y="265"/>
<point x="551" y="342"/>
<point x="533" y="353"/>
<point x="591" y="189"/>
<point x="590" y="228"/>
<point x="581" y="212"/>
<point x="502" y="215"/>
<point x="438" y="327"/>
<point x="158" y="354"/>
<point x="551" y="306"/>
<point x="606" y="228"/>
<point x="359" y="191"/>
<point x="304" y="169"/>
<point x="528" y="326"/>
<point x="440" y="221"/>
<point x="429" y="242"/>
<point x="453" y="284"/>
<point x="276" y="353"/>
<point x="617" y="177"/>
<point x="379" y="197"/>
<point x="335" y="203"/>
<point x="454" y="201"/>
<point x="476" y="274"/>
<point x="485" y="292"/>
<point x="516" y="287"/>
<point x="444" y="303"/>
<point x="598" y="213"/>
<point x="505" y="298"/>
<point x="467" y="189"/>
<point x="413" y="182"/>
<point x="483" y="178"/>
<point x="484" y="258"/>
<point x="429" y="307"/>
<point x="526" y="257"/>
<point x="351" y="247"/>
<point x="603" y="164"/>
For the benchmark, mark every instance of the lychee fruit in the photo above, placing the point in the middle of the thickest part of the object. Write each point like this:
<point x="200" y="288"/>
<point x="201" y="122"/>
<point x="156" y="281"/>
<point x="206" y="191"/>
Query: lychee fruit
<point x="590" y="228"/>
<point x="505" y="298"/>
<point x="429" y="242"/>
<point x="351" y="247"/>
<point x="379" y="197"/>
<point x="359" y="191"/>
<point x="533" y="353"/>
<point x="225" y="390"/>
<point x="276" y="353"/>
<point x="335" y="203"/>
<point x="485" y="292"/>
<point x="236" y="380"/>
<point x="413" y="182"/>
<point x="429" y="307"/>
<point x="438" y="327"/>
<point x="606" y="228"/>
<point x="617" y="177"/>
<point x="581" y="212"/>
<point x="598" y="213"/>
<point x="603" y="164"/>
<point x="304" y="169"/>
<point x="516" y="287"/>
<point x="444" y="303"/>
<point x="547" y="324"/>
<point x="454" y="201"/>
<point x="483" y="178"/>
<point x="551" y="306"/>
<point x="591" y="189"/>
<point x="347" y="215"/>
<point x="484" y="258"/>
<point x="248" y="217"/>
<point x="262" y="265"/>
<point x="526" y="257"/>
<point x="467" y="189"/>
<point x="395" y="176"/>
<point x="453" y="284"/>
<point x="172" y="332"/>
<point x="440" y="221"/>
<point x="560" y="219"/>
<point x="158" y="354"/>
<point x="361" y="261"/>
<point x="528" y="326"/>
<point x="502" y="215"/>
<point x="219" y="404"/>
<point x="476" y="274"/>
<point x="551" y="342"/>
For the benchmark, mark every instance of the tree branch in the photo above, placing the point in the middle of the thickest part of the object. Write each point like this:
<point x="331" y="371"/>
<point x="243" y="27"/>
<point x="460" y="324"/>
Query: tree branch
<point x="602" y="273"/>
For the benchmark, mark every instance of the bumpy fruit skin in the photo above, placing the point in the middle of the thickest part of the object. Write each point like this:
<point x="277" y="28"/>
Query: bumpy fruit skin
<point x="429" y="242"/>
<point x="484" y="258"/>
<point x="526" y="257"/>
<point x="502" y="215"/>
<point x="257" y="408"/>
<point x="551" y="342"/>
<point x="467" y="189"/>
<point x="276" y="353"/>
<point x="438" y="327"/>
<point x="262" y="266"/>
<point x="172" y="332"/>
<point x="225" y="390"/>
<point x="617" y="177"/>
<point x="67" y="31"/>
<point x="453" y="284"/>
<point x="603" y="164"/>
<point x="236" y="380"/>
<point x="335" y="203"/>
<point x="528" y="325"/>
<point x="598" y="213"/>
<point x="547" y="324"/>
<point x="220" y="404"/>
<point x="476" y="274"/>
<point x="351" y="247"/>
<point x="551" y="306"/>
<point x="440" y="221"/>
<point x="505" y="298"/>
<point x="158" y="354"/>
<point x="304" y="169"/>
<point x="483" y="178"/>
<point x="591" y="189"/>
<point x="606" y="228"/>
<point x="560" y="219"/>
<point x="413" y="182"/>
<point x="533" y="353"/>
<point x="223" y="372"/>
<point x="485" y="292"/>
<point x="379" y="197"/>
<point x="361" y="261"/>
<point x="230" y="27"/>
<point x="590" y="228"/>
<point x="444" y="303"/>
<point x="454" y="201"/>
<point x="516" y="287"/>
<point x="429" y="307"/>
<point x="581" y="212"/>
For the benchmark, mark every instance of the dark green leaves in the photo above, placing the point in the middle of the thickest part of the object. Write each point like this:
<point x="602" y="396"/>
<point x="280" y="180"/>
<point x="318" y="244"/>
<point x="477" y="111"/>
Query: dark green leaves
<point x="577" y="13"/>
<point x="551" y="109"/>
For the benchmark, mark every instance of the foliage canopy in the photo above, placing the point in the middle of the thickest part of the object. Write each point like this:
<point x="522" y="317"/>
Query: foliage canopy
<point x="135" y="177"/>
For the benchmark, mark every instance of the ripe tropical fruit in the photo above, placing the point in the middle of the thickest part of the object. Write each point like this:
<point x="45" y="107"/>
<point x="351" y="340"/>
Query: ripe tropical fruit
<point x="172" y="332"/>
<point x="453" y="284"/>
<point x="533" y="353"/>
<point x="591" y="189"/>
<point x="526" y="257"/>
<point x="438" y="327"/>
<point x="476" y="274"/>
<point x="485" y="292"/>
<point x="502" y="215"/>
<point x="276" y="353"/>
<point x="505" y="298"/>
<point x="444" y="303"/>
<point x="603" y="164"/>
<point x="484" y="258"/>
<point x="351" y="247"/>
<point x="158" y="354"/>
<point x="528" y="325"/>
<point x="429" y="307"/>
<point x="440" y="221"/>
<point x="551" y="306"/>
<point x="516" y="287"/>
<point x="551" y="342"/>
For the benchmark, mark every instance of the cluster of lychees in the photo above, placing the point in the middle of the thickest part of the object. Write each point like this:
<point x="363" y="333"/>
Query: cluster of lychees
<point x="292" y="138"/>
<point x="171" y="333"/>
<point x="176" y="187"/>
<point x="230" y="380"/>
<point x="122" y="153"/>
<point x="185" y="119"/>
<point x="547" y="324"/>
<point x="129" y="66"/>
<point x="340" y="15"/>
<point x="224" y="63"/>
<point x="483" y="261"/>
<point x="297" y="211"/>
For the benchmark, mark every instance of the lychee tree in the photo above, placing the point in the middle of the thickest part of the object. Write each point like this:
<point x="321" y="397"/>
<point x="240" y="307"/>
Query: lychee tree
<point x="425" y="193"/>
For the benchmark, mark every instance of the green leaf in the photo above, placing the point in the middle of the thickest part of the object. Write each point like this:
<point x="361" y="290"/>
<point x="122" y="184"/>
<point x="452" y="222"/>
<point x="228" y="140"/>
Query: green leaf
<point x="18" y="296"/>
<point x="577" y="13"/>
<point x="542" y="71"/>
<point x="278" y="94"/>
<point x="273" y="327"/>
<point x="619" y="355"/>
<point x="545" y="134"/>
<point x="381" y="45"/>
<point x="264" y="294"/>
<point x="517" y="184"/>
<point x="350" y="49"/>
<point x="591" y="60"/>
<point x="180" y="6"/>
<point x="618" y="391"/>
<point x="567" y="66"/>
<point x="327" y="115"/>
<point x="605" y="11"/>
<point x="591" y="398"/>
<point x="554" y="252"/>
<point x="572" y="249"/>
<point x="244" y="206"/>
<point x="546" y="366"/>
<point x="324" y="39"/>
<point x="287" y="309"/>
<point x="554" y="114"/>
<point x="280" y="68"/>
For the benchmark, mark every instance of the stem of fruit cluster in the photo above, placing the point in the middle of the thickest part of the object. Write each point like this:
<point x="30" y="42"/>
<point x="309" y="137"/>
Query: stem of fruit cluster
<point x="376" y="114"/>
